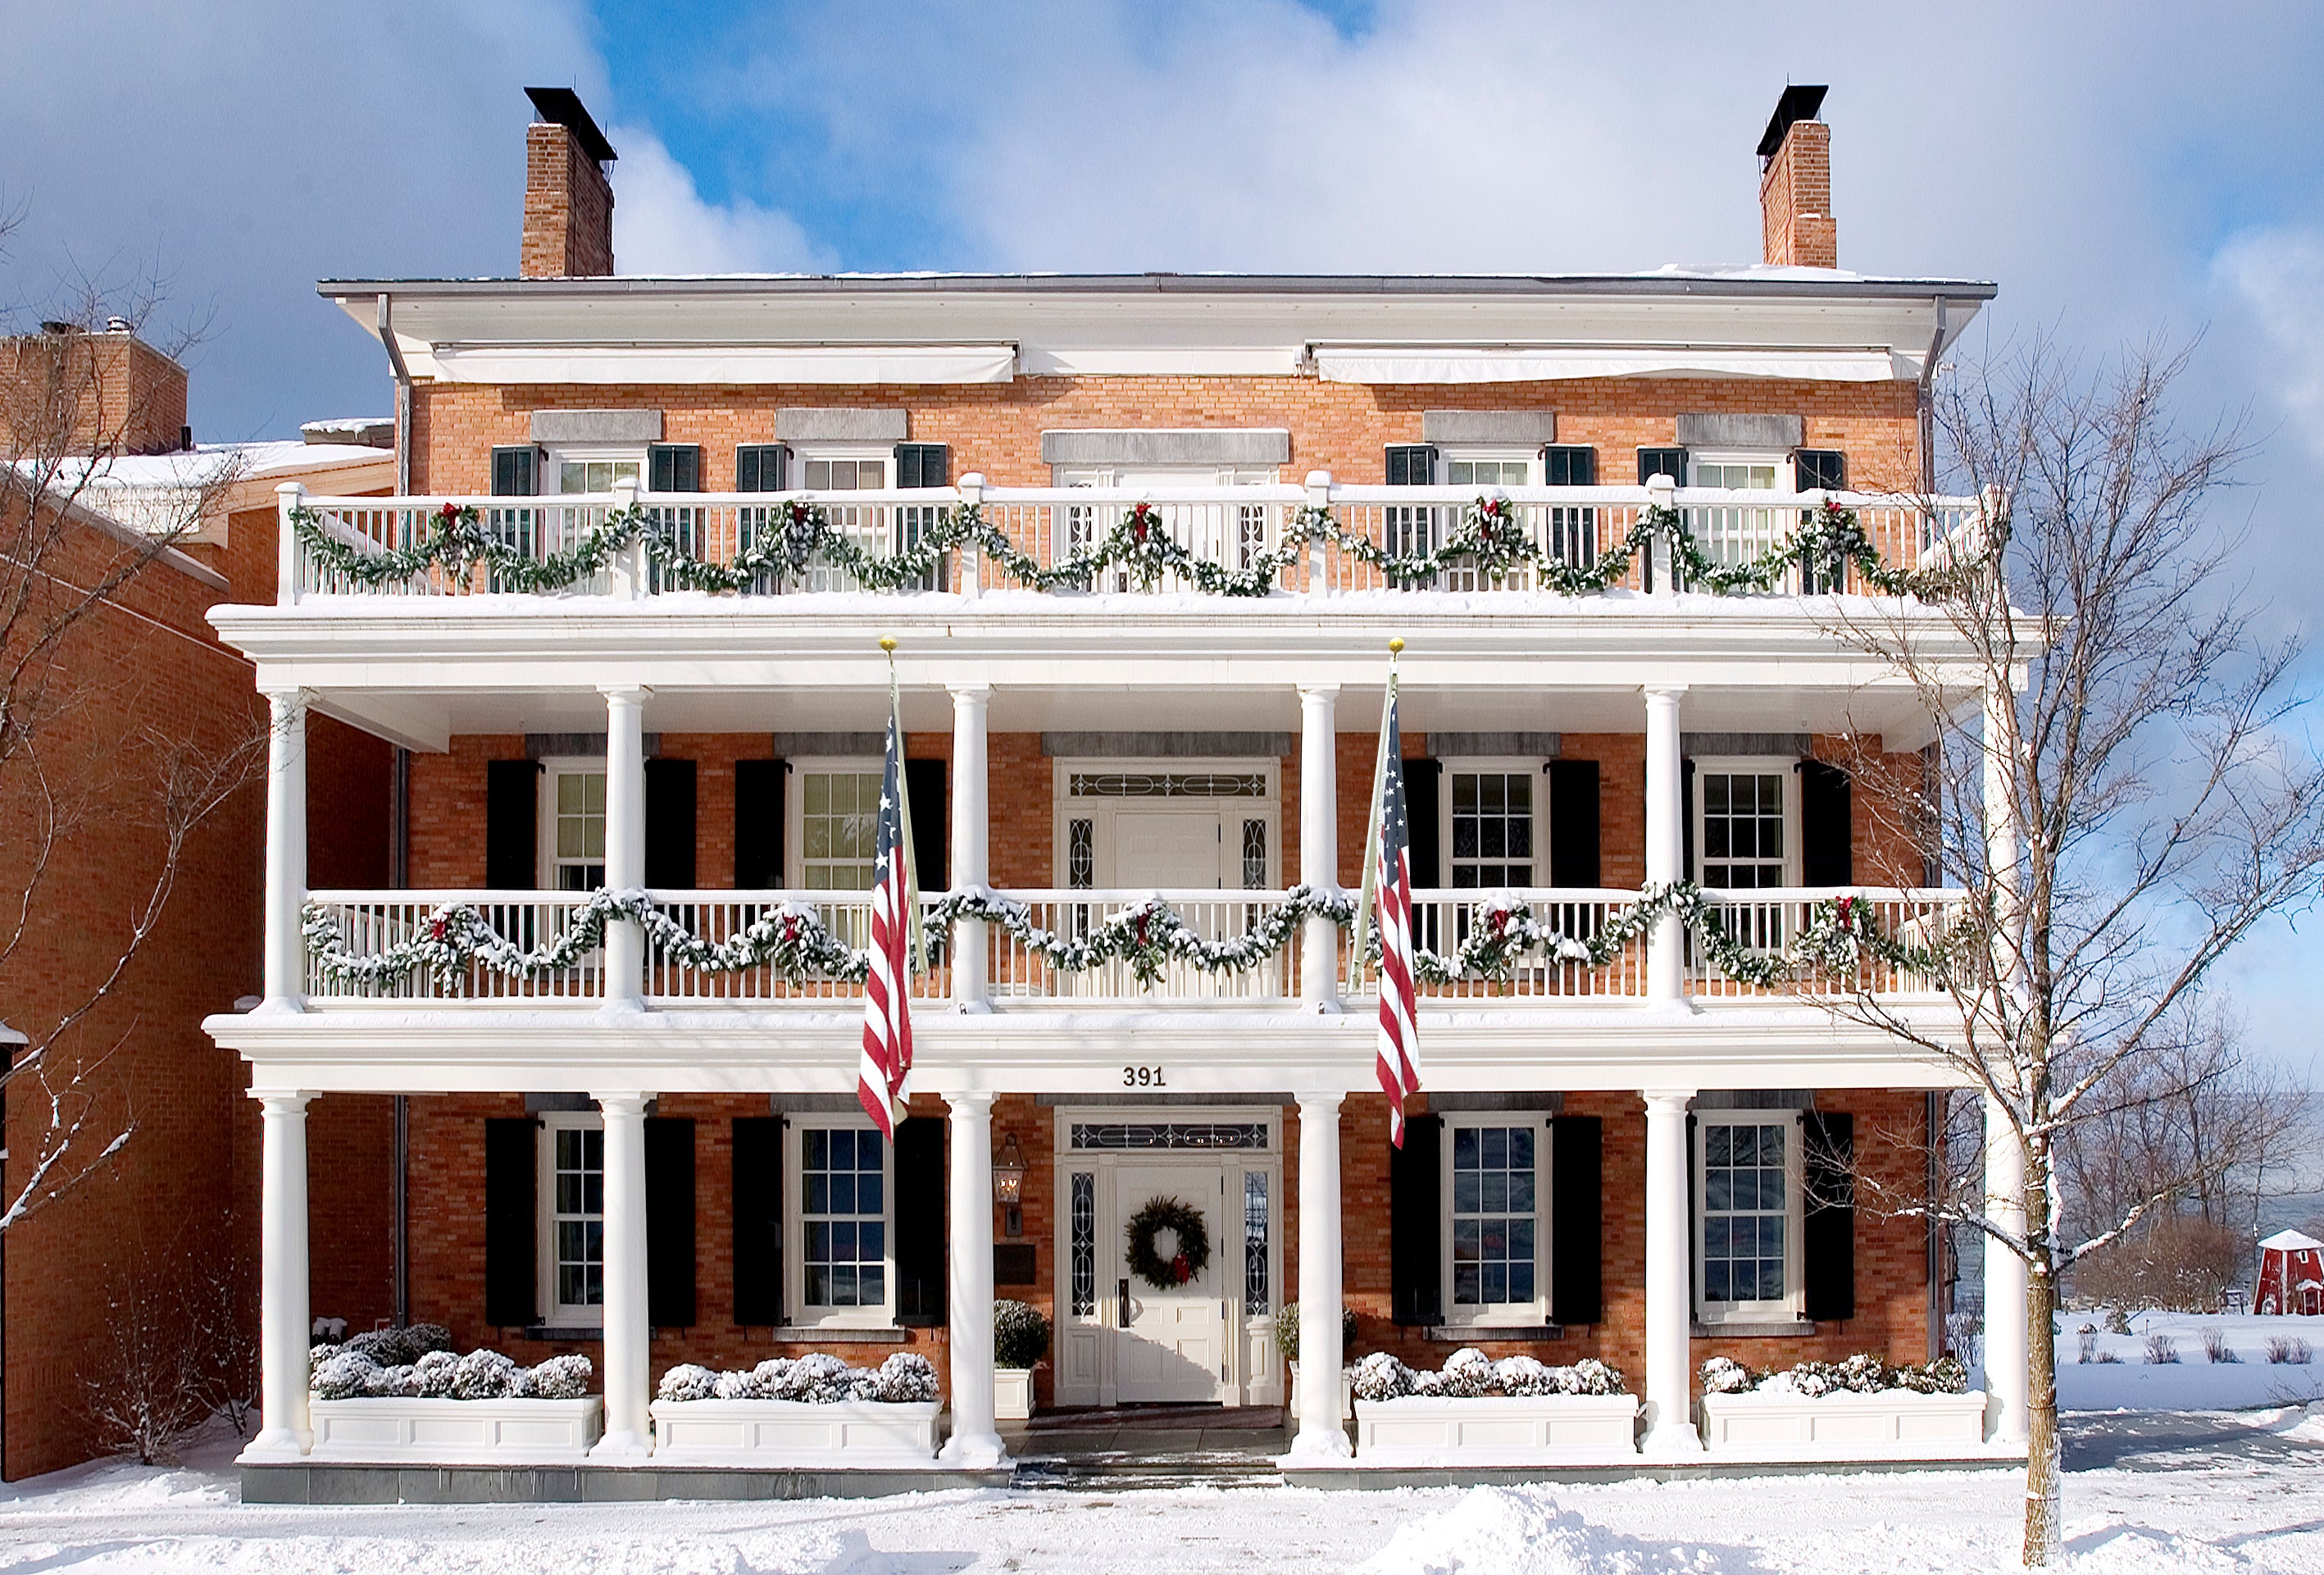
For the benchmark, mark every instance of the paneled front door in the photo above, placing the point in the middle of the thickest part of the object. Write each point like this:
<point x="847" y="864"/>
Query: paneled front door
<point x="1172" y="1343"/>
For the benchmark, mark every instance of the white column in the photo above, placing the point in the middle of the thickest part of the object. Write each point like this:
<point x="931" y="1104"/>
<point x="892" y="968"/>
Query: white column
<point x="286" y="850"/>
<point x="625" y="840"/>
<point x="628" y="1353"/>
<point x="972" y="830"/>
<point x="974" y="1442"/>
<point x="289" y="495"/>
<point x="284" y="1330"/>
<point x="2005" y="1327"/>
<point x="1662" y="571"/>
<point x="1322" y="1435"/>
<point x="2001" y="846"/>
<point x="971" y="557"/>
<point x="1319" y="840"/>
<point x="1666" y="845"/>
<point x="1670" y="1282"/>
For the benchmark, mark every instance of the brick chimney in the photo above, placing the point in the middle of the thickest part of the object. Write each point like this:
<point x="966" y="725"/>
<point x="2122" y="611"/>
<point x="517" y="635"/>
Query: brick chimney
<point x="72" y="390"/>
<point x="1796" y="222"/>
<point x="569" y="199"/>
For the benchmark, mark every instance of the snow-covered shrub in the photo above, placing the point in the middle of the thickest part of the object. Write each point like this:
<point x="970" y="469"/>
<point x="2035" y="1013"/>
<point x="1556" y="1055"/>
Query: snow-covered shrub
<point x="343" y="1375"/>
<point x="2109" y="1358"/>
<point x="485" y="1375"/>
<point x="435" y="1372"/>
<point x="1861" y="1374"/>
<point x="1590" y="1377"/>
<point x="560" y="1377"/>
<point x="687" y="1381"/>
<point x="1944" y="1376"/>
<point x="2118" y="1321"/>
<point x="816" y="1379"/>
<point x="1468" y="1373"/>
<point x="905" y="1377"/>
<point x="1725" y="1376"/>
<point x="2161" y="1350"/>
<point x="2281" y="1350"/>
<point x="2216" y="1348"/>
<point x="1522" y="1375"/>
<point x="401" y="1383"/>
<point x="397" y="1348"/>
<point x="1020" y="1334"/>
<point x="1381" y="1377"/>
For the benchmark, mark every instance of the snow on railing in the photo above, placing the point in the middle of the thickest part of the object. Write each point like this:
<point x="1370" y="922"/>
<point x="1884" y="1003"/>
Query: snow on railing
<point x="1768" y="920"/>
<point x="1443" y="920"/>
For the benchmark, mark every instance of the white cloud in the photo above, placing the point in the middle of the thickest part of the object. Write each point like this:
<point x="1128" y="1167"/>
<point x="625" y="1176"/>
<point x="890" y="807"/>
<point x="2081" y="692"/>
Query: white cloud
<point x="661" y="225"/>
<point x="2278" y="276"/>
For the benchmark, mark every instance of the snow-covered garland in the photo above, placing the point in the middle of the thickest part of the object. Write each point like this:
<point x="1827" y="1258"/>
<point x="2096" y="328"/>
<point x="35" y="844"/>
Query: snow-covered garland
<point x="793" y="535"/>
<point x="1149" y="936"/>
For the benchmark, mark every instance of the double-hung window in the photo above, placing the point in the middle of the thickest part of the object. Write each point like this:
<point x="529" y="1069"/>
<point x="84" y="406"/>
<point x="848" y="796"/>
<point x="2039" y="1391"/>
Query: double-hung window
<point x="1748" y="1179"/>
<point x="1738" y="532"/>
<point x="841" y="1238"/>
<point x="1489" y="825"/>
<point x="836" y="825"/>
<point x="572" y="1190"/>
<point x="1494" y="1246"/>
<point x="1747" y="824"/>
<point x="573" y="825"/>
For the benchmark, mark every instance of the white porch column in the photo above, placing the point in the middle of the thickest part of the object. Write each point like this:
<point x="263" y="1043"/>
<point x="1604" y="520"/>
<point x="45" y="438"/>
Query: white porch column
<point x="1665" y="837"/>
<point x="284" y="1330"/>
<point x="625" y="841"/>
<point x="1319" y="840"/>
<point x="628" y="1357"/>
<point x="286" y="850"/>
<point x="2005" y="1327"/>
<point x="1670" y="1280"/>
<point x="972" y="830"/>
<point x="1322" y="1435"/>
<point x="968" y="1311"/>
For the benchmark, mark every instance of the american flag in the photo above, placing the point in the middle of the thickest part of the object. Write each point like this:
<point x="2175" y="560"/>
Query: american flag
<point x="887" y="990"/>
<point x="1399" y="1043"/>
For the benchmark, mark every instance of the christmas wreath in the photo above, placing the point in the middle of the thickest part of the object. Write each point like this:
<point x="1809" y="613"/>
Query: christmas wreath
<point x="1148" y="1264"/>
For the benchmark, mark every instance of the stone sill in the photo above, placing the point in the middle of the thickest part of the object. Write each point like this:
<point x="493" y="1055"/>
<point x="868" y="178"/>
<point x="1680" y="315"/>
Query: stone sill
<point x="815" y="1334"/>
<point x="1758" y="1329"/>
<point x="1473" y="1333"/>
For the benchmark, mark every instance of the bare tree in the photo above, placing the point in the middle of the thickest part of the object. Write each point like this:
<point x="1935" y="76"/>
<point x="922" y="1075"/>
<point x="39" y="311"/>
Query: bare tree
<point x="96" y="749"/>
<point x="2096" y="684"/>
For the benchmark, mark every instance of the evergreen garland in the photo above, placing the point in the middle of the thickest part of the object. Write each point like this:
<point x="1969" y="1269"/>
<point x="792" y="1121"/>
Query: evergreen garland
<point x="1185" y="1223"/>
<point x="789" y="537"/>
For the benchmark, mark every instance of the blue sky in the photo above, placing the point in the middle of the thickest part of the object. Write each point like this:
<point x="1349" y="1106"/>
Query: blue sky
<point x="2120" y="170"/>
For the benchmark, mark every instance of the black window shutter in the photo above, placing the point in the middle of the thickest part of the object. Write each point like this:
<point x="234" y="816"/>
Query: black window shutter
<point x="1411" y="464"/>
<point x="512" y="817"/>
<point x="924" y="780"/>
<point x="758" y="824"/>
<point x="1828" y="1220"/>
<point x="1573" y="822"/>
<point x="1669" y="462"/>
<point x="1415" y="1223"/>
<point x="1686" y="870"/>
<point x="918" y="1212"/>
<point x="670" y="1221"/>
<point x="674" y="468"/>
<point x="1825" y="832"/>
<point x="1576" y="1219"/>
<point x="1693" y="1236"/>
<point x="1421" y="778"/>
<point x="512" y="1239"/>
<point x="1820" y="469"/>
<point x="761" y="467"/>
<point x="1569" y="464"/>
<point x="758" y="1157"/>
<point x="669" y="824"/>
<point x="923" y="464"/>
<point x="516" y="471"/>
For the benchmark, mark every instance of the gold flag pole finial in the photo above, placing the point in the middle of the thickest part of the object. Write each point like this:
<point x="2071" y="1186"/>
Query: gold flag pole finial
<point x="1396" y="645"/>
<point x="888" y="643"/>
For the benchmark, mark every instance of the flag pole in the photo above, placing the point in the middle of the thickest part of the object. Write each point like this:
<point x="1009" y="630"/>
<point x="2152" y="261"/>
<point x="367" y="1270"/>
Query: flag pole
<point x="1372" y="835"/>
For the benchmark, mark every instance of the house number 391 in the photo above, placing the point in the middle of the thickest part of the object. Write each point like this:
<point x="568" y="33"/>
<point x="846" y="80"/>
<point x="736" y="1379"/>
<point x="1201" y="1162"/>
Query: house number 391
<point x="1142" y="1077"/>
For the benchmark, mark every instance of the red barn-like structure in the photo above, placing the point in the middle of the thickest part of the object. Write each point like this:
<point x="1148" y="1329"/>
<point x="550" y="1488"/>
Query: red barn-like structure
<point x="2290" y="1275"/>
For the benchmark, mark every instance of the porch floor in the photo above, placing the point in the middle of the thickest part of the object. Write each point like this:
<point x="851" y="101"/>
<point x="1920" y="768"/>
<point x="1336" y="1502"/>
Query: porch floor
<point x="1148" y="1446"/>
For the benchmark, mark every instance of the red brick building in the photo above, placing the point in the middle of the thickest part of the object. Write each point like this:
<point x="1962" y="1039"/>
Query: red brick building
<point x="1641" y="1158"/>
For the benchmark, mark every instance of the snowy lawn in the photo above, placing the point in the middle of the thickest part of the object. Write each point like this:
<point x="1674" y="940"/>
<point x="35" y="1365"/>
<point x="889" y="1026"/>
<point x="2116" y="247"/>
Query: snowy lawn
<point x="2197" y="1493"/>
<point x="2192" y="1383"/>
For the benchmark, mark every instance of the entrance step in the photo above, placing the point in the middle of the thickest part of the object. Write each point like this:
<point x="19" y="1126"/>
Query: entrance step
<point x="1058" y="1473"/>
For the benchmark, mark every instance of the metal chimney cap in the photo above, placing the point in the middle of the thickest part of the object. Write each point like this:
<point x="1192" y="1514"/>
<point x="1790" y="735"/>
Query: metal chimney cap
<point x="1800" y="101"/>
<point x="563" y="106"/>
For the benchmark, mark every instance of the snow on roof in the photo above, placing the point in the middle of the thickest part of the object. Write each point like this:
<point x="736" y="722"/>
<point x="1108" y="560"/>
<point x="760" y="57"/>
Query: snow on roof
<point x="206" y="463"/>
<point x="2291" y="1241"/>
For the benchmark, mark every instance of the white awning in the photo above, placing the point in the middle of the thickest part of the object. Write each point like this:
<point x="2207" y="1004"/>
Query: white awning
<point x="705" y="363"/>
<point x="1387" y="364"/>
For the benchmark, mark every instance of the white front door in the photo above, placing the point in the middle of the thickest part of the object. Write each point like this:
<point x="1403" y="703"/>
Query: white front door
<point x="1172" y="1342"/>
<point x="1166" y="848"/>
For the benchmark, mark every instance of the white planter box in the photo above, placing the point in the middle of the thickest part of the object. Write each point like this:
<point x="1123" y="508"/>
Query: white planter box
<point x="792" y="1433"/>
<point x="456" y="1433"/>
<point x="1013" y="1394"/>
<point x="1347" y="1395"/>
<point x="1895" y="1424"/>
<point x="1536" y="1430"/>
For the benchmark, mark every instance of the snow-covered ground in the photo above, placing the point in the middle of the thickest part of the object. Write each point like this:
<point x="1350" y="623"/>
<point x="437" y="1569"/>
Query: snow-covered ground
<point x="2146" y="1493"/>
<point x="2193" y="1382"/>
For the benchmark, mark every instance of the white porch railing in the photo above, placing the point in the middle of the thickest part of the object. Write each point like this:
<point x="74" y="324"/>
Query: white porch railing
<point x="374" y="923"/>
<point x="1229" y="526"/>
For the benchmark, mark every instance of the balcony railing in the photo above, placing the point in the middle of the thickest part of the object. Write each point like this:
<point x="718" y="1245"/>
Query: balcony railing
<point x="372" y="924"/>
<point x="1240" y="530"/>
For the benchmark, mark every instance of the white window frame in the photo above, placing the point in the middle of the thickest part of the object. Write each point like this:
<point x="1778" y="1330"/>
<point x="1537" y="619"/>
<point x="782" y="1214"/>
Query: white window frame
<point x="1164" y="475"/>
<point x="1792" y="1307"/>
<point x="795" y="1301"/>
<point x="583" y="454"/>
<point x="553" y="767"/>
<point x="795" y="807"/>
<point x="1781" y="463"/>
<point x="1488" y="453"/>
<point x="1498" y="1314"/>
<point x="1781" y="766"/>
<point x="804" y="455"/>
<point x="1100" y="812"/>
<point x="1497" y="765"/>
<point x="555" y="1313"/>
